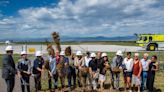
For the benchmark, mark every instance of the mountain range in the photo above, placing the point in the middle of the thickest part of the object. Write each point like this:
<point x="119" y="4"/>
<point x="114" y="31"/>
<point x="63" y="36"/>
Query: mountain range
<point x="66" y="39"/>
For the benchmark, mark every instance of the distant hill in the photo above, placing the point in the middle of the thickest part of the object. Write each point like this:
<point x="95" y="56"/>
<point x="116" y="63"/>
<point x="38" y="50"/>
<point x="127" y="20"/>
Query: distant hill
<point x="100" y="38"/>
<point x="64" y="39"/>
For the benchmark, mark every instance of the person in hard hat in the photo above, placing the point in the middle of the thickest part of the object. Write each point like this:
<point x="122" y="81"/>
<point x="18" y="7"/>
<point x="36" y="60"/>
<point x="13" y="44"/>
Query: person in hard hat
<point x="79" y="63"/>
<point x="24" y="68"/>
<point x="38" y="69"/>
<point x="94" y="71"/>
<point x="8" y="69"/>
<point x="63" y="61"/>
<point x="145" y="63"/>
<point x="103" y="68"/>
<point x="128" y="63"/>
<point x="52" y="70"/>
<point x="66" y="69"/>
<point x="115" y="68"/>
<point x="137" y="70"/>
<point x="153" y="68"/>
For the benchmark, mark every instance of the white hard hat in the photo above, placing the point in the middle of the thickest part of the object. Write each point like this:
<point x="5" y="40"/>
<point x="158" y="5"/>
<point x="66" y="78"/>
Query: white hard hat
<point x="93" y="55"/>
<point x="79" y="53"/>
<point x="9" y="48"/>
<point x="23" y="53"/>
<point x="119" y="53"/>
<point x="104" y="55"/>
<point x="62" y="53"/>
<point x="38" y="53"/>
<point x="7" y="42"/>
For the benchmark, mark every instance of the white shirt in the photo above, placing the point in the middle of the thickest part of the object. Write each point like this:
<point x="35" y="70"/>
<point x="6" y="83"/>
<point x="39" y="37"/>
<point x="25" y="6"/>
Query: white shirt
<point x="128" y="64"/>
<point x="144" y="64"/>
<point x="87" y="61"/>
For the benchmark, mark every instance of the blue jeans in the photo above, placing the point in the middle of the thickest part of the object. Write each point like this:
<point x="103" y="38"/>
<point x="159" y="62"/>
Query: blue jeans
<point x="144" y="78"/>
<point x="113" y="75"/>
<point x="71" y="75"/>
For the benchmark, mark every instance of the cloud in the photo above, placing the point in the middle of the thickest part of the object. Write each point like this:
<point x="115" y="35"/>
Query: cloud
<point x="87" y="18"/>
<point x="4" y="3"/>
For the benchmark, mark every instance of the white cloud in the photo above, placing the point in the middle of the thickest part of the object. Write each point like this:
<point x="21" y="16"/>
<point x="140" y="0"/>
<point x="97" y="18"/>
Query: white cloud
<point x="87" y="18"/>
<point x="7" y="21"/>
<point x="4" y="3"/>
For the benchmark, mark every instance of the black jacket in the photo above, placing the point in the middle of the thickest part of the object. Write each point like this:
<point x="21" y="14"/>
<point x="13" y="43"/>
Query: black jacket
<point x="8" y="69"/>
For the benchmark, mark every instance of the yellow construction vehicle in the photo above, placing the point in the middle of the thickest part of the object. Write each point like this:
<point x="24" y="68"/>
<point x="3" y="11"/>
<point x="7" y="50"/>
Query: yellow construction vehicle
<point x="151" y="41"/>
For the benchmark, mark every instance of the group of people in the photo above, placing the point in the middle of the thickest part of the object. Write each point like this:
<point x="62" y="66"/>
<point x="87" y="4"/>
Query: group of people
<point x="84" y="70"/>
<point x="137" y="72"/>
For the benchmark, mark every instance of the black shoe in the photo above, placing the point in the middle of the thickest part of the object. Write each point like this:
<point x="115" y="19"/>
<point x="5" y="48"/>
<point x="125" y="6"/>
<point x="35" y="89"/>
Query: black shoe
<point x="74" y="86"/>
<point x="56" y="87"/>
<point x="63" y="86"/>
<point x="113" y="88"/>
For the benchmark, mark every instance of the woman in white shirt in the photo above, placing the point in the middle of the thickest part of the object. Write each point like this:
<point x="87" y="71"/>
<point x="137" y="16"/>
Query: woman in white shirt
<point x="128" y="66"/>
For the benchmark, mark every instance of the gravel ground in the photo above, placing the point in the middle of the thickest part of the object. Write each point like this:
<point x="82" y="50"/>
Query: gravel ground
<point x="17" y="87"/>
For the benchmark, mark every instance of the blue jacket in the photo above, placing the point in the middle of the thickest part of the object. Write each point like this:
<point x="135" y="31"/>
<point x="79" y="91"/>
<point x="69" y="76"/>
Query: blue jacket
<point x="37" y="64"/>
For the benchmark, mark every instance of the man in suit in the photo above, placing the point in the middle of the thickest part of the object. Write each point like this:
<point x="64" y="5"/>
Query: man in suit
<point x="9" y="70"/>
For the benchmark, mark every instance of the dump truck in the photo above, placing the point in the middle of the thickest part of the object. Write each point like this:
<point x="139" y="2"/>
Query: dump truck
<point x="150" y="42"/>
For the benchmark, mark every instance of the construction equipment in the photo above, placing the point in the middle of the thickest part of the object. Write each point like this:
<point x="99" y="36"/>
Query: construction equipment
<point x="151" y="42"/>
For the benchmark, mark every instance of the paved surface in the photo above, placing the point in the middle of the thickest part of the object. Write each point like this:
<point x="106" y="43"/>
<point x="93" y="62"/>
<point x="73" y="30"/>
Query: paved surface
<point x="106" y="48"/>
<point x="17" y="87"/>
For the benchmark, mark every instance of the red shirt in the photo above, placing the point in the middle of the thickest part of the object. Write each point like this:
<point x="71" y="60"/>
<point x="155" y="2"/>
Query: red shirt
<point x="136" y="68"/>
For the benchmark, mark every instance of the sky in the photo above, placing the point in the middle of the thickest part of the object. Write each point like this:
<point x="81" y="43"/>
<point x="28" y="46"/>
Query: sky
<point x="25" y="19"/>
